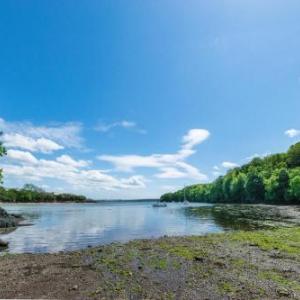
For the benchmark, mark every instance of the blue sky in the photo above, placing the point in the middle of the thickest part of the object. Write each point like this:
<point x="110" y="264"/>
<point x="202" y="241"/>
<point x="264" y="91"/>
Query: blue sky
<point x="130" y="99"/>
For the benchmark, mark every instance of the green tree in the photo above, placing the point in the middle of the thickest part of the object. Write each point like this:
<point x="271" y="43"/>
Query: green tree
<point x="295" y="188"/>
<point x="227" y="189"/>
<point x="277" y="187"/>
<point x="238" y="188"/>
<point x="216" y="194"/>
<point x="293" y="156"/>
<point x="271" y="187"/>
<point x="255" y="188"/>
<point x="282" y="186"/>
<point x="33" y="188"/>
<point x="272" y="179"/>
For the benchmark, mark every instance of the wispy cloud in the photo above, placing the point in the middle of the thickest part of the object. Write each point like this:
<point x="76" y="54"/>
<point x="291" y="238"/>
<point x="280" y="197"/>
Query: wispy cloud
<point x="23" y="164"/>
<point x="46" y="139"/>
<point x="292" y="132"/>
<point x="68" y="160"/>
<point x="169" y="165"/>
<point x="225" y="165"/>
<point x="25" y="142"/>
<point x="105" y="127"/>
<point x="21" y="156"/>
<point x="194" y="137"/>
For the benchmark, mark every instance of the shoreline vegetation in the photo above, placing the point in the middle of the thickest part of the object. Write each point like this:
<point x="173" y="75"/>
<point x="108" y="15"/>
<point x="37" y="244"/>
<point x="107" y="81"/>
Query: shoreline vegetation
<point x="274" y="179"/>
<point x="33" y="194"/>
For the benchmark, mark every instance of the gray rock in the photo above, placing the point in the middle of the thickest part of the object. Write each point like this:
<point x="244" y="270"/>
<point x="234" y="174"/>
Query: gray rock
<point x="7" y="220"/>
<point x="3" y="244"/>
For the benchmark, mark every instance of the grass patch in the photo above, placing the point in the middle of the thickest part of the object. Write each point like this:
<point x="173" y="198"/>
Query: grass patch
<point x="284" y="240"/>
<point x="280" y="280"/>
<point x="238" y="262"/>
<point x="188" y="252"/>
<point x="226" y="288"/>
<point x="159" y="263"/>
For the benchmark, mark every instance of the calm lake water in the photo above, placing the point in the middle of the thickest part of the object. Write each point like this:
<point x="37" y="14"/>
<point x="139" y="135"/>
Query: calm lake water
<point x="61" y="227"/>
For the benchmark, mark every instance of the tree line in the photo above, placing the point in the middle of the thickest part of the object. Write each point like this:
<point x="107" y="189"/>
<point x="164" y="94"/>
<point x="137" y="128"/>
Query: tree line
<point x="274" y="179"/>
<point x="32" y="193"/>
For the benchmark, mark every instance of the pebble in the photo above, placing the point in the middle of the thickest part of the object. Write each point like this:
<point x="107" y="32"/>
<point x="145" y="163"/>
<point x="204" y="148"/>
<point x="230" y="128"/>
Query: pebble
<point x="74" y="287"/>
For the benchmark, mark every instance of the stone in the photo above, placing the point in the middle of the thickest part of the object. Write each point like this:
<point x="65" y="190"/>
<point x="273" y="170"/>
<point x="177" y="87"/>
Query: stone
<point x="199" y="258"/>
<point x="282" y="292"/>
<point x="3" y="244"/>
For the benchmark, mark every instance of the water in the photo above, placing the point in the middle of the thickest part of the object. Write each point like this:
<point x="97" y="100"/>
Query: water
<point x="64" y="227"/>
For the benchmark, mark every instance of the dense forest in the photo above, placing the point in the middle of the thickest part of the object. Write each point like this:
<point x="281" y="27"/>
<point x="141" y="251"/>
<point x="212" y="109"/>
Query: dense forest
<point x="274" y="179"/>
<point x="32" y="193"/>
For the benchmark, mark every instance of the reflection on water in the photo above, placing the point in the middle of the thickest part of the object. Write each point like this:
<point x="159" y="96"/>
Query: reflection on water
<point x="59" y="227"/>
<point x="237" y="216"/>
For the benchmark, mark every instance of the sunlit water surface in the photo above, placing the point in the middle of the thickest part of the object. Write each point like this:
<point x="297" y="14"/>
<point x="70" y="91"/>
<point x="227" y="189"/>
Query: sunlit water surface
<point x="64" y="227"/>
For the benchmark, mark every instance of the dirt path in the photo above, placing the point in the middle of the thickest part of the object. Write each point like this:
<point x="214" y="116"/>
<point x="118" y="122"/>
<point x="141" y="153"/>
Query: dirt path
<point x="239" y="265"/>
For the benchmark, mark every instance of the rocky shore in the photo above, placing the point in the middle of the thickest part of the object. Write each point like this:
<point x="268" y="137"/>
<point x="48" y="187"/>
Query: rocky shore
<point x="262" y="264"/>
<point x="7" y="221"/>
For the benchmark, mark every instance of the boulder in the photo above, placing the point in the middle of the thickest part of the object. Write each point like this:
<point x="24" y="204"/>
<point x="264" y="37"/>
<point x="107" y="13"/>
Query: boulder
<point x="7" y="220"/>
<point x="3" y="244"/>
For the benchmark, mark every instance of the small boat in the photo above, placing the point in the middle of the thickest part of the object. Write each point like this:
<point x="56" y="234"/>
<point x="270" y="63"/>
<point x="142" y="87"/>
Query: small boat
<point x="159" y="204"/>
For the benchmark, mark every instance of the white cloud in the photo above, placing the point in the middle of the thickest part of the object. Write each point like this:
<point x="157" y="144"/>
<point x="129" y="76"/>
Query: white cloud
<point x="194" y="137"/>
<point x="103" y="127"/>
<point x="66" y="159"/>
<point x="24" y="165"/>
<point x="22" y="156"/>
<point x="292" y="132"/>
<point x="169" y="165"/>
<point x="48" y="138"/>
<point x="170" y="173"/>
<point x="191" y="171"/>
<point x="136" y="181"/>
<point x="43" y="145"/>
<point x="229" y="165"/>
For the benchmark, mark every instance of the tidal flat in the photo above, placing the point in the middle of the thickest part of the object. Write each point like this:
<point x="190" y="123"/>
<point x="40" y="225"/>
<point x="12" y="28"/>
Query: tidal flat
<point x="263" y="264"/>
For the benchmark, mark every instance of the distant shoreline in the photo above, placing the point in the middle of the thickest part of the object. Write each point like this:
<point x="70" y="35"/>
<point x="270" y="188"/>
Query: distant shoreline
<point x="83" y="202"/>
